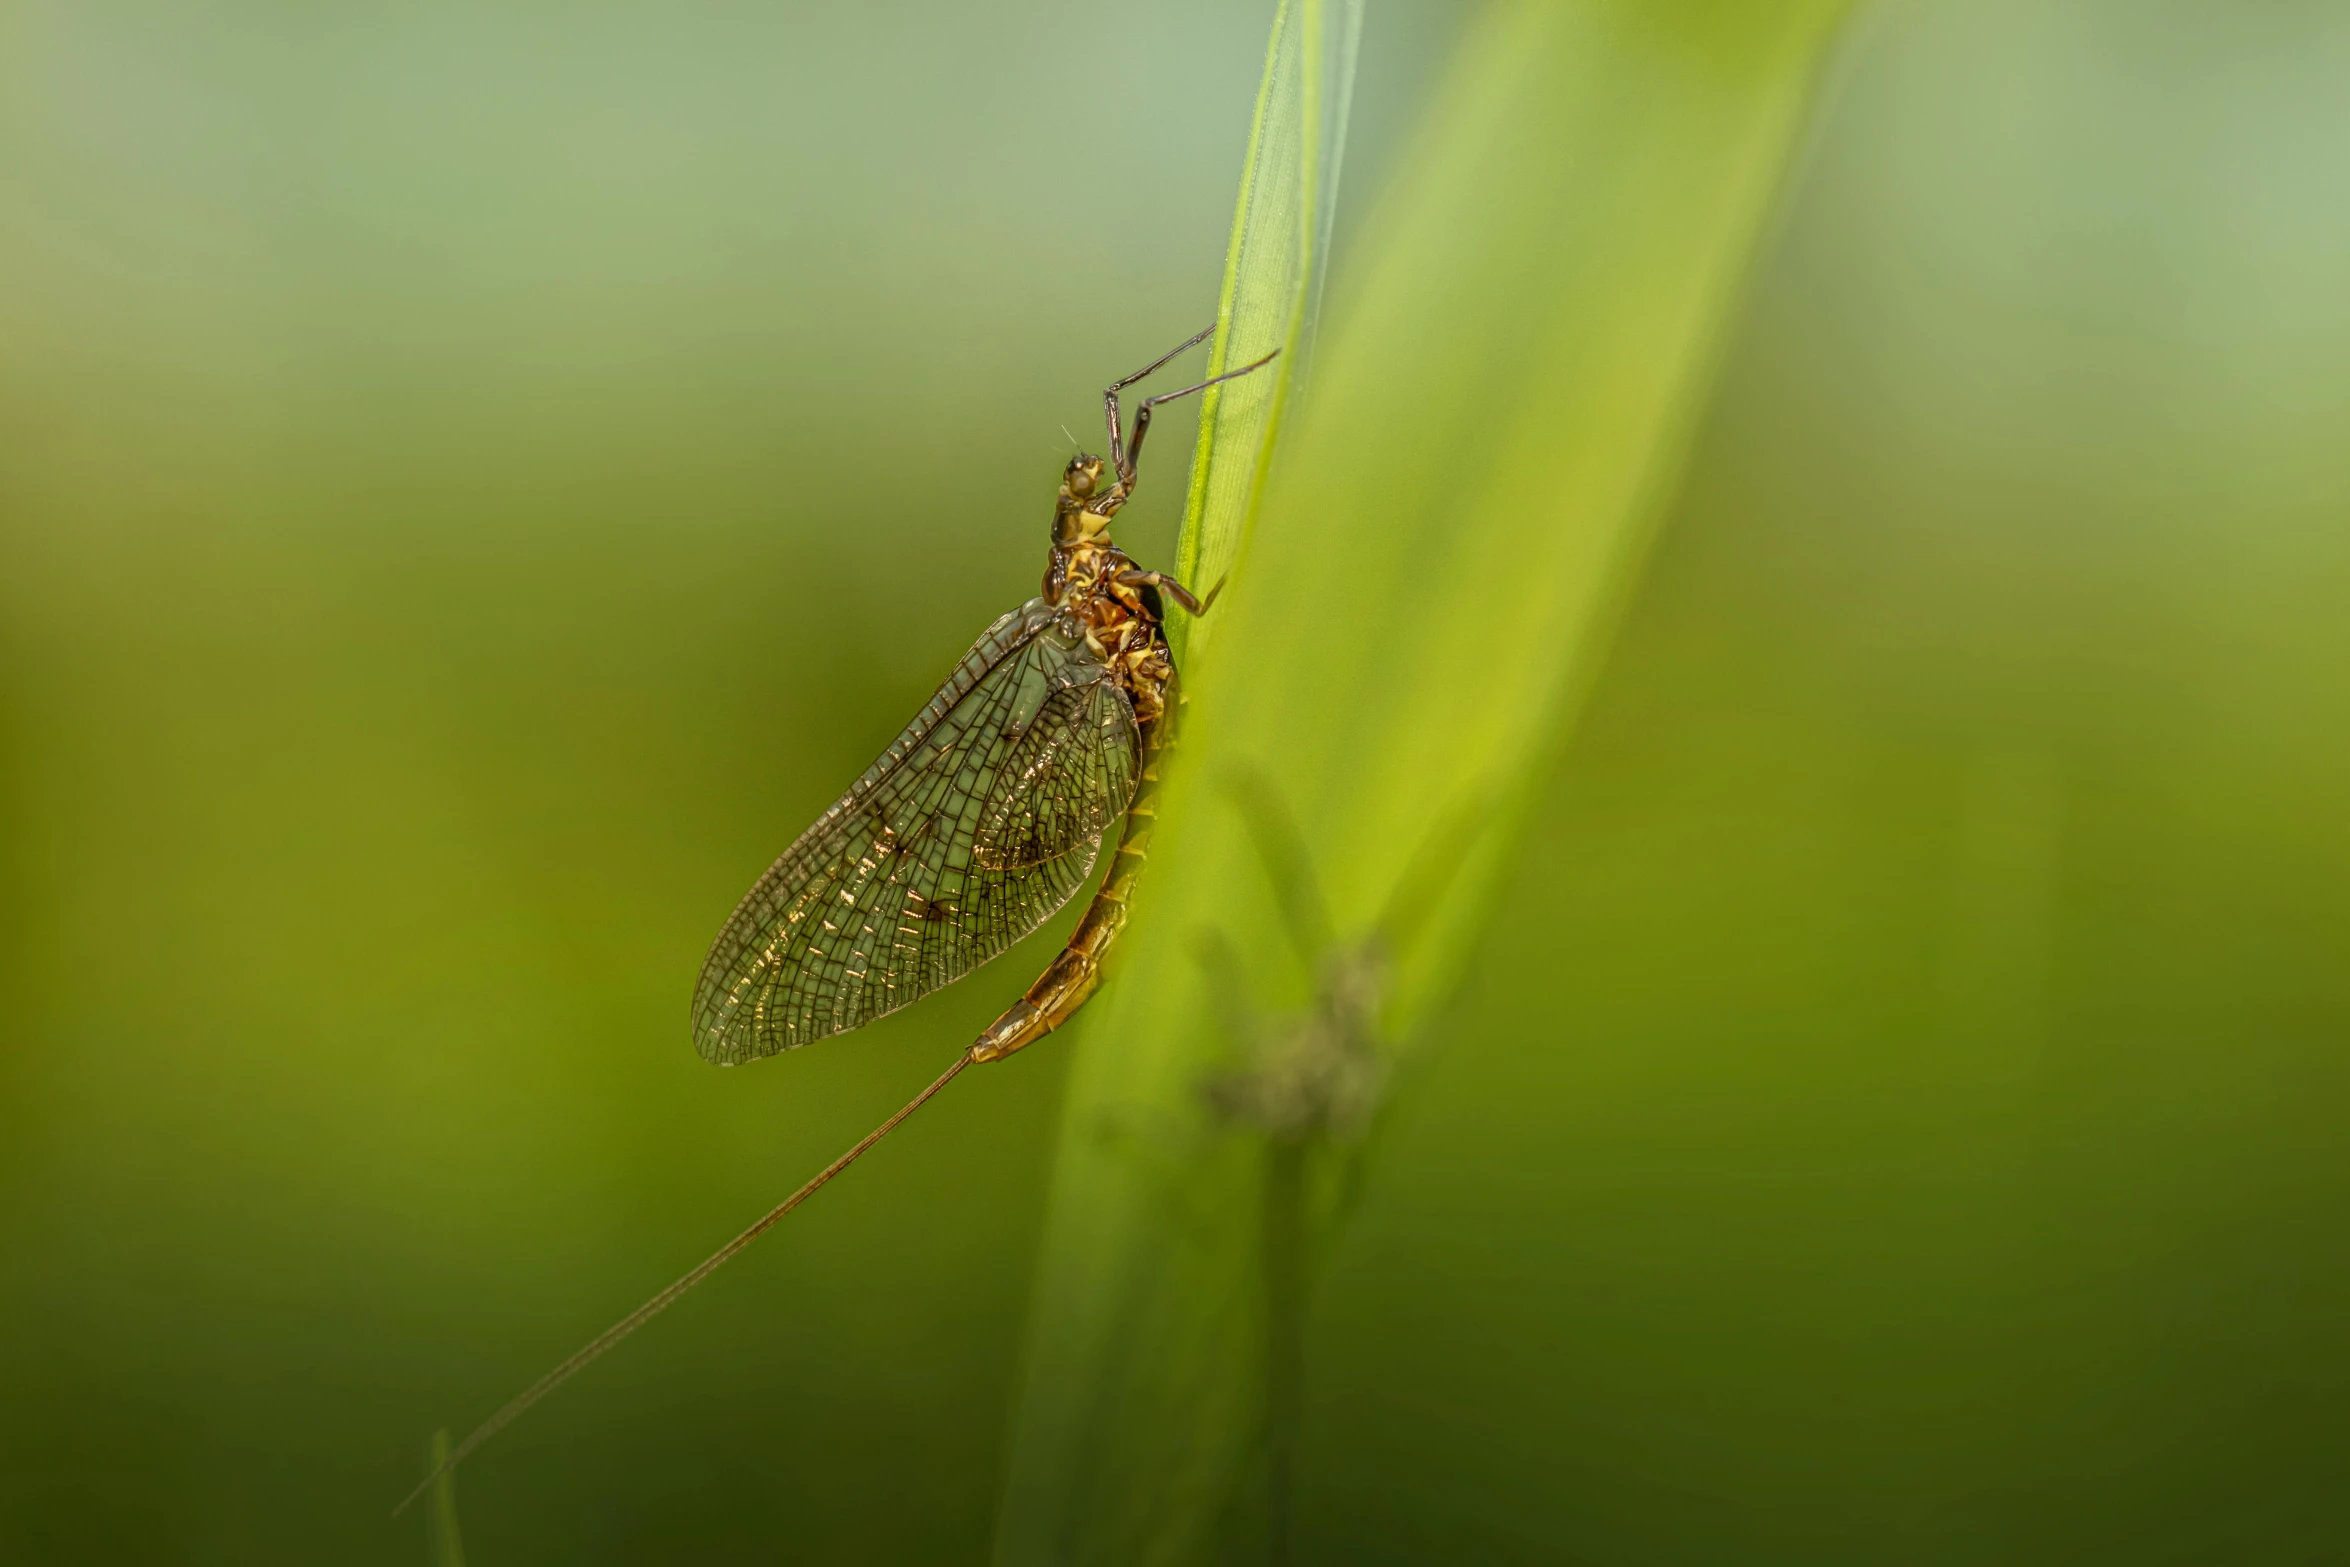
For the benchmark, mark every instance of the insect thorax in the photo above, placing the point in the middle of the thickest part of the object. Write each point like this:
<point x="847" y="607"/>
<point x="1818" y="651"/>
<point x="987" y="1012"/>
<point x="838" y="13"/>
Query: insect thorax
<point x="1119" y="620"/>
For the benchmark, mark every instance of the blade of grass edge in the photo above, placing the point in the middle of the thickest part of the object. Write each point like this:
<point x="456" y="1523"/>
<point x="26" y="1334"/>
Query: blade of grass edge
<point x="1512" y="375"/>
<point x="1270" y="294"/>
<point x="1273" y="271"/>
<point x="448" y="1545"/>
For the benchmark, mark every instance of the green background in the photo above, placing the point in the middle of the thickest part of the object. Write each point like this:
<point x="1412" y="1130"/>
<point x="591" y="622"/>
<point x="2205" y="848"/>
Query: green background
<point x="476" y="482"/>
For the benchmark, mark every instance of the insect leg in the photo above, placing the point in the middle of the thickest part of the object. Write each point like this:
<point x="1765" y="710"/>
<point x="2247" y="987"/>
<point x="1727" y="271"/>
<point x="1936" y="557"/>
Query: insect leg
<point x="1118" y="458"/>
<point x="1169" y="586"/>
<point x="1142" y="413"/>
<point x="1193" y="341"/>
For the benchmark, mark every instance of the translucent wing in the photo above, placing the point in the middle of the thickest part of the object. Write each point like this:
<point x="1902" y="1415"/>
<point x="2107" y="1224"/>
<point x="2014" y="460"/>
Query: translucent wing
<point x="974" y="826"/>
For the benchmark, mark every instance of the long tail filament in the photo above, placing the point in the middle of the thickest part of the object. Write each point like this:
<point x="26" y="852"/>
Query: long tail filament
<point x="645" y="1313"/>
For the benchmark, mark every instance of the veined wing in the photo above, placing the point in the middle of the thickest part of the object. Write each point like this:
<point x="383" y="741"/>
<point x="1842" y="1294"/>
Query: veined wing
<point x="974" y="826"/>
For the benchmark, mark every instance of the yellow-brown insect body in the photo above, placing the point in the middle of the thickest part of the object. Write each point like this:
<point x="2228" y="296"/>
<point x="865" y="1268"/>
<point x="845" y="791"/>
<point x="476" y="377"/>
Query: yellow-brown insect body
<point x="1117" y="606"/>
<point x="1098" y="586"/>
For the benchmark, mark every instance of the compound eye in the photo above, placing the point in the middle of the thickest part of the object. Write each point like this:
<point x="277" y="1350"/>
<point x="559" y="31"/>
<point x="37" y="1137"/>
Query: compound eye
<point x="1084" y="473"/>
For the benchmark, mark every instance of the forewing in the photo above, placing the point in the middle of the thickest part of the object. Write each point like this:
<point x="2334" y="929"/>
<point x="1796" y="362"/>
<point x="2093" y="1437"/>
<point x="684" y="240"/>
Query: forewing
<point x="978" y="822"/>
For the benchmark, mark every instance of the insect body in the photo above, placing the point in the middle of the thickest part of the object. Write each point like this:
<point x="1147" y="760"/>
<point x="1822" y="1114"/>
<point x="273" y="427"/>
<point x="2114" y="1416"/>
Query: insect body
<point x="985" y="815"/>
<point x="979" y="822"/>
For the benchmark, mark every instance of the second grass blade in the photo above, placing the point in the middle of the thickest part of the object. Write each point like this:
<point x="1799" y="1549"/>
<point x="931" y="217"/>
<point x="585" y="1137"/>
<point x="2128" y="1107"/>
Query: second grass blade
<point x="1499" y="410"/>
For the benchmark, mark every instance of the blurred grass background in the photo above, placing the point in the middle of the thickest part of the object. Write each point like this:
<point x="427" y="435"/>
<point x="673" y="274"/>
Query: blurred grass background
<point x="478" y="481"/>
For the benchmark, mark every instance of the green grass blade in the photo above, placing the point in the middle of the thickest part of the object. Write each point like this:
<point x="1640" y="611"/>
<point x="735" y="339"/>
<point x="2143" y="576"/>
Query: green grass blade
<point x="448" y="1546"/>
<point x="1499" y="412"/>
<point x="1272" y="283"/>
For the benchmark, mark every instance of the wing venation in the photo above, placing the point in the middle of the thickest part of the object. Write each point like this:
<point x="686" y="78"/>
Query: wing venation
<point x="979" y="821"/>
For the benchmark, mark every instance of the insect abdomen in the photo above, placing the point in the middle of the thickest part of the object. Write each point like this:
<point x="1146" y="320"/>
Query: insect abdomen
<point x="1076" y="971"/>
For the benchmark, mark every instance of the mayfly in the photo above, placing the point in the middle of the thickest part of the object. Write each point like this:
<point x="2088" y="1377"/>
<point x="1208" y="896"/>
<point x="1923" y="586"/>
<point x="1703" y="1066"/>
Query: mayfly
<point x="978" y="823"/>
